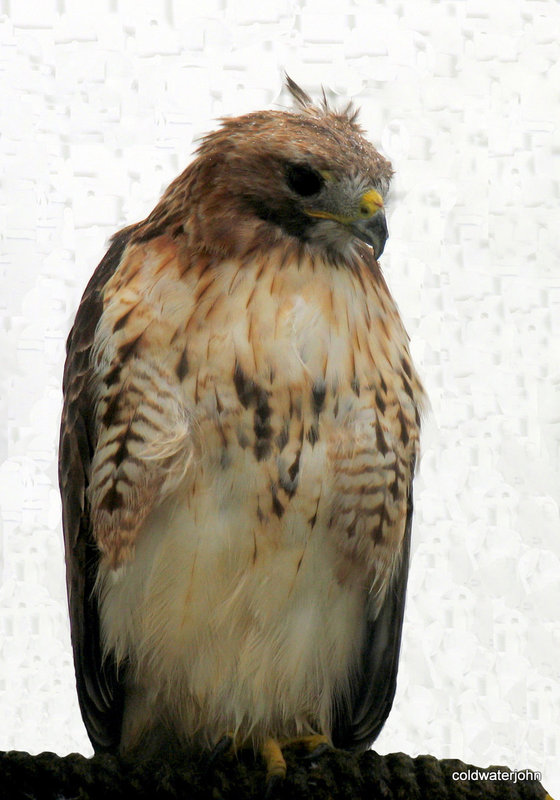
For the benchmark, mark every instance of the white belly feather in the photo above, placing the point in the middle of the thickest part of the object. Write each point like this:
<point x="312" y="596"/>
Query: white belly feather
<point x="234" y="626"/>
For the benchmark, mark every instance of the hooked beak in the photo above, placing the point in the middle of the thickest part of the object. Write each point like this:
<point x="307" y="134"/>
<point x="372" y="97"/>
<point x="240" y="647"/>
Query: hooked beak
<point x="369" y="224"/>
<point x="372" y="231"/>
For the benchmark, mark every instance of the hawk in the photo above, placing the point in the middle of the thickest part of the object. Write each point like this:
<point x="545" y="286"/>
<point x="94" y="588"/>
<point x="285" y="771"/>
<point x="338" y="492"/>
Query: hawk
<point x="240" y="427"/>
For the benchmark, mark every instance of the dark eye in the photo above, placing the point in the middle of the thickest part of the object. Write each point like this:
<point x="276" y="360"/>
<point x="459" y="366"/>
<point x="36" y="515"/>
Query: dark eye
<point x="304" y="180"/>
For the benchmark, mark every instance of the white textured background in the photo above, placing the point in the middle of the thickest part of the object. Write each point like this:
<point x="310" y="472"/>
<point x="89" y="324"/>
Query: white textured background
<point x="99" y="111"/>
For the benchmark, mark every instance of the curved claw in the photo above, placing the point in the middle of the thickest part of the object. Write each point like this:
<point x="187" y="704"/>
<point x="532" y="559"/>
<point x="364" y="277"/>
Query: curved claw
<point x="224" y="745"/>
<point x="321" y="748"/>
<point x="272" y="783"/>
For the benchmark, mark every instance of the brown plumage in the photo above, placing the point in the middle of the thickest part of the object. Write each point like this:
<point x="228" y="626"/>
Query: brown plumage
<point x="238" y="441"/>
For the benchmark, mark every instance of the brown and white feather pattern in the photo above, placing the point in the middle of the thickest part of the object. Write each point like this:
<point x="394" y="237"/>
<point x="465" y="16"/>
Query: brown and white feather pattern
<point x="262" y="423"/>
<point x="255" y="426"/>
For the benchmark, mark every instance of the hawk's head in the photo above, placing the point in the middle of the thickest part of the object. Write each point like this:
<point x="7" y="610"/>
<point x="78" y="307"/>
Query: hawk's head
<point x="308" y="174"/>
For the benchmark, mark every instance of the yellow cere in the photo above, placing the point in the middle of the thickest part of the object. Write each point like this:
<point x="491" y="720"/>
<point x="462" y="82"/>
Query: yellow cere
<point x="370" y="203"/>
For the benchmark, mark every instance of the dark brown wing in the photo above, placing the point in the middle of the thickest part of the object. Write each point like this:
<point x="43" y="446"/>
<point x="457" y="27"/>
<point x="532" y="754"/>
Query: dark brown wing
<point x="99" y="687"/>
<point x="357" y="726"/>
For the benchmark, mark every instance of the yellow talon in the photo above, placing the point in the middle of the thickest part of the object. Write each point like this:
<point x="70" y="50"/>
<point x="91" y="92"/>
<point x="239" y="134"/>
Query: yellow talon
<point x="310" y="743"/>
<point x="275" y="763"/>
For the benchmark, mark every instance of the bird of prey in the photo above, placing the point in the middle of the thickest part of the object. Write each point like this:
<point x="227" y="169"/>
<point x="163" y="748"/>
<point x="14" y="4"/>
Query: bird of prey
<point x="240" y="427"/>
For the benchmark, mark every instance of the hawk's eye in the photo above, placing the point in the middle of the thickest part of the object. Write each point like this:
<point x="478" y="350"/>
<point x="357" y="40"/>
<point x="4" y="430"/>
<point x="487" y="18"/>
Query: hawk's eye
<point x="304" y="180"/>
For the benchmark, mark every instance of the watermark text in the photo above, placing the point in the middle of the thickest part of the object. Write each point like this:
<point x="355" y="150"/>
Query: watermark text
<point x="496" y="775"/>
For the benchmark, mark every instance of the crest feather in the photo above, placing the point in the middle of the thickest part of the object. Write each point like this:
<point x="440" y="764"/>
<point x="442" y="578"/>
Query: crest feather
<point x="304" y="103"/>
<point x="300" y="97"/>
